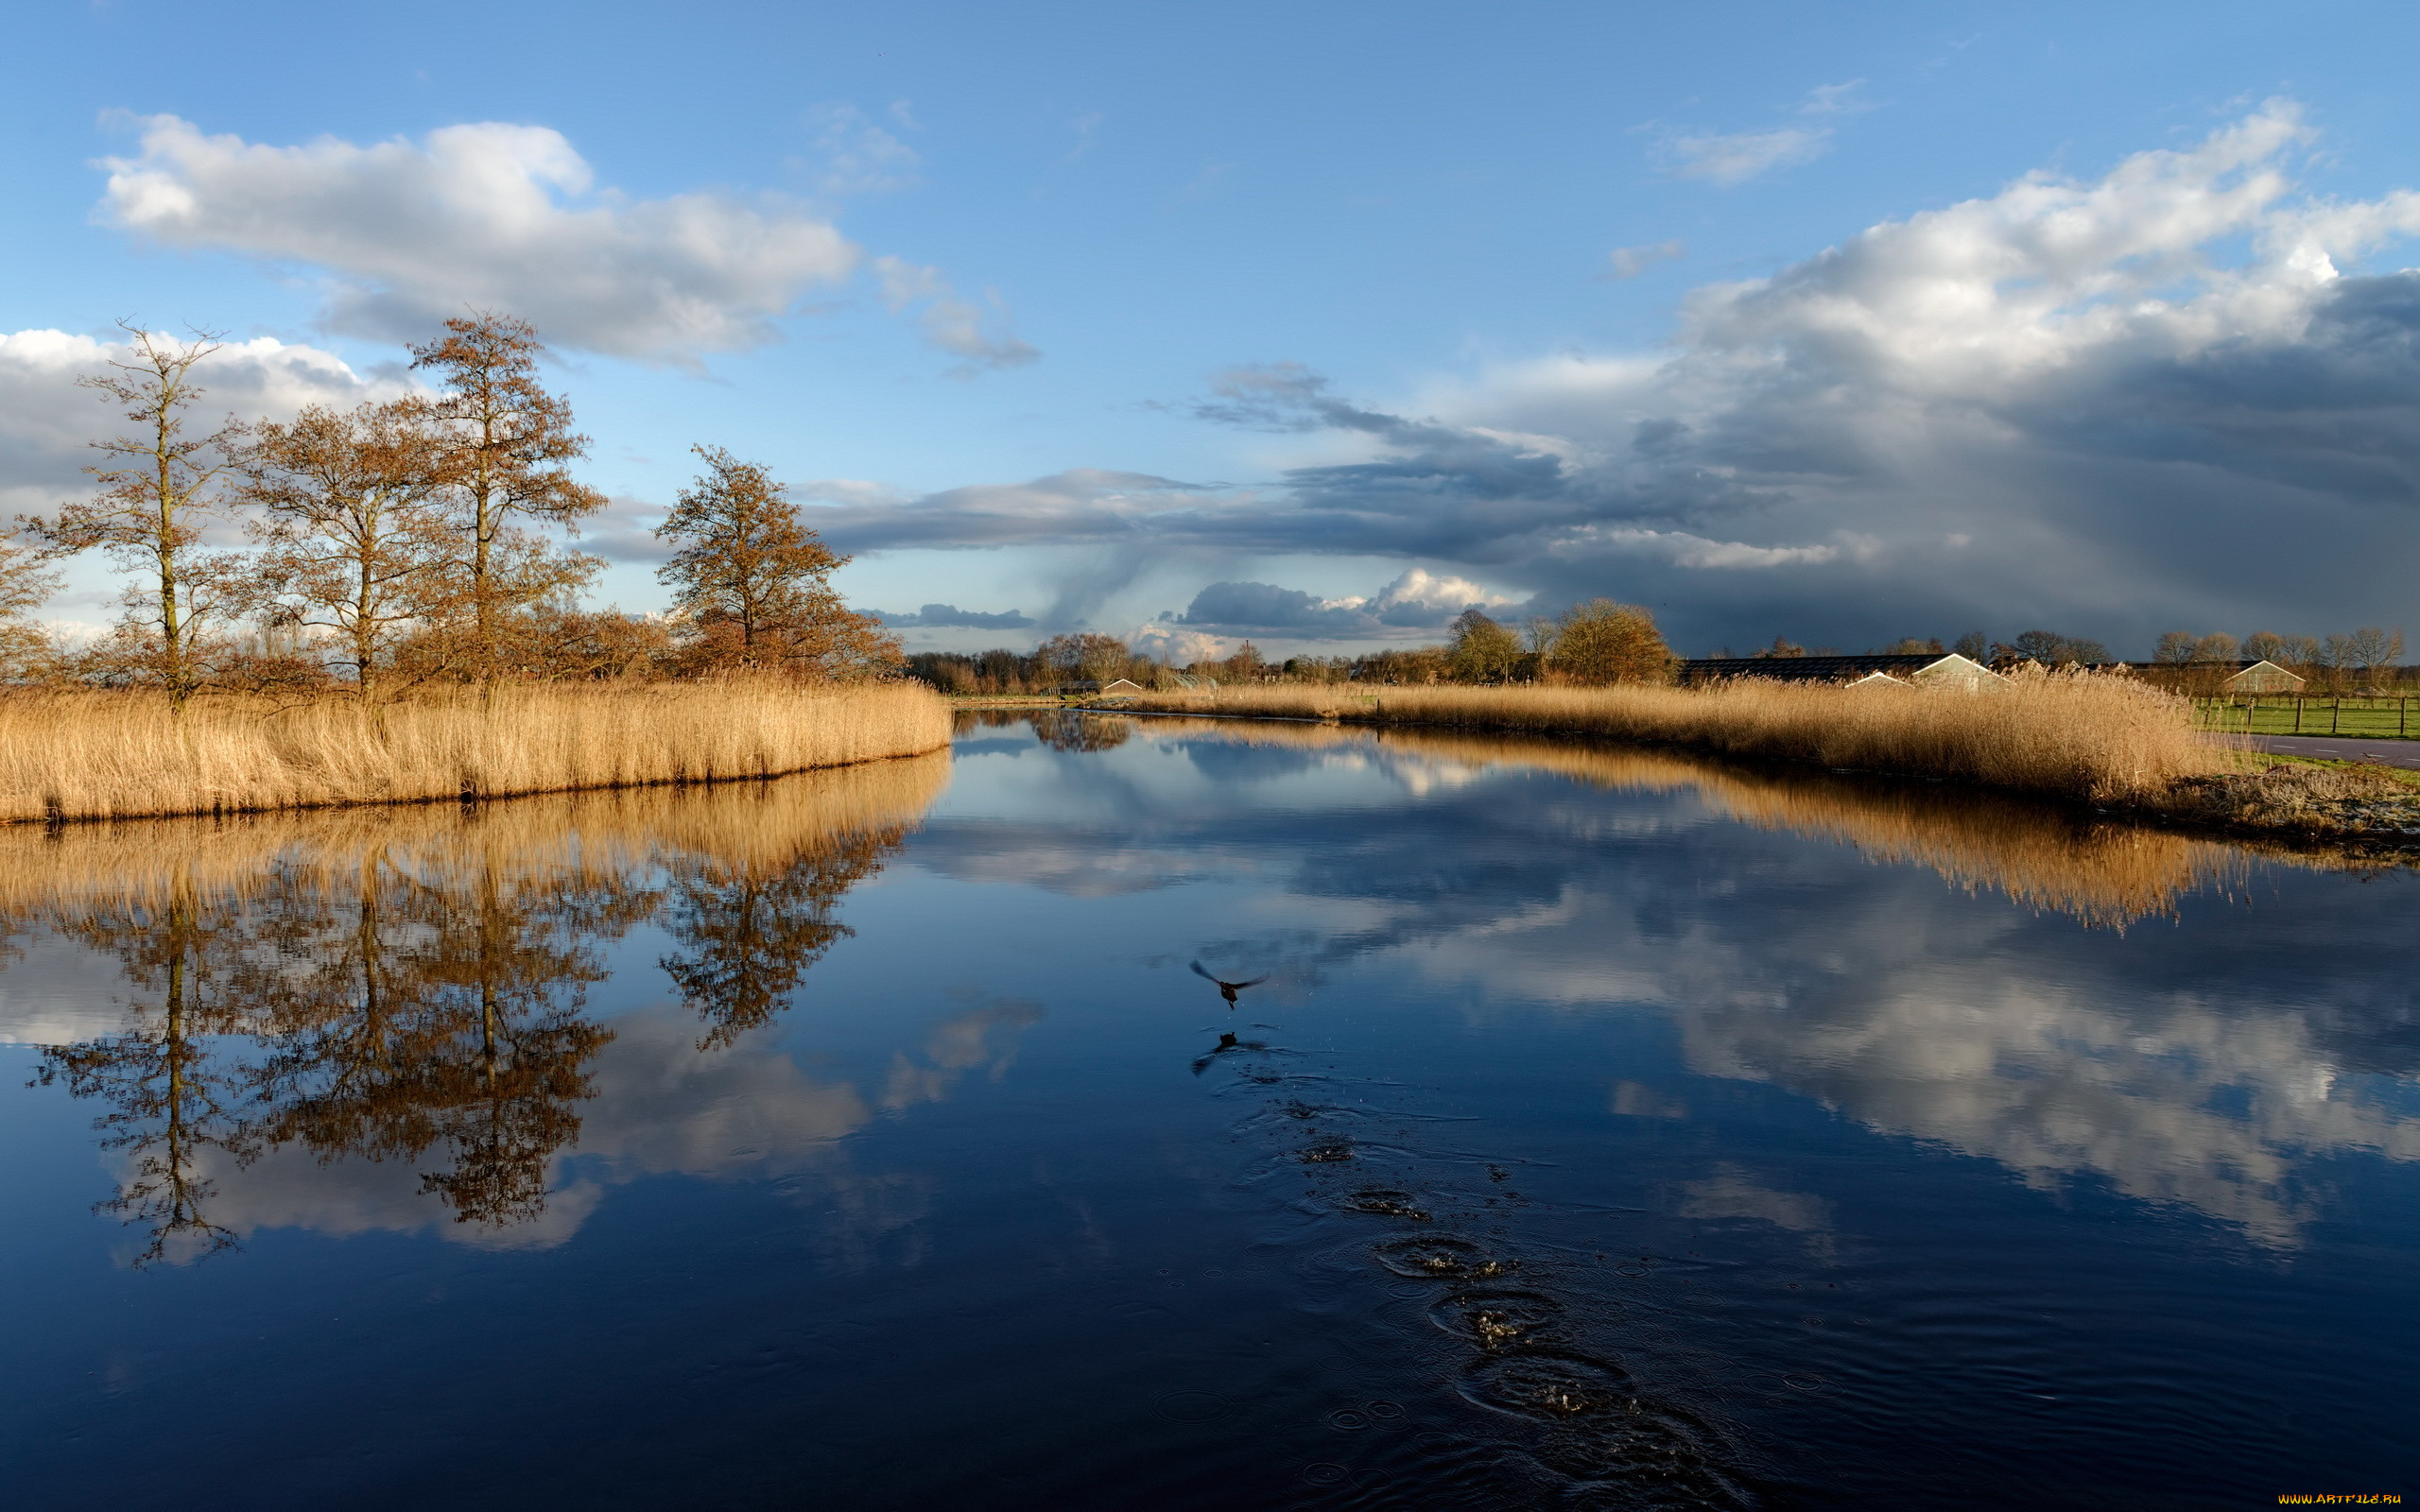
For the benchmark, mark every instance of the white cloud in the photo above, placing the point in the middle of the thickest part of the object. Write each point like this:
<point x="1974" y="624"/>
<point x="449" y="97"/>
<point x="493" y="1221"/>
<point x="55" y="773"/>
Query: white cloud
<point x="1737" y="157"/>
<point x="1833" y="99"/>
<point x="1419" y="589"/>
<point x="1734" y="158"/>
<point x="983" y="336"/>
<point x="1630" y="261"/>
<point x="47" y="422"/>
<point x="860" y="156"/>
<point x="489" y="215"/>
<point x="1175" y="646"/>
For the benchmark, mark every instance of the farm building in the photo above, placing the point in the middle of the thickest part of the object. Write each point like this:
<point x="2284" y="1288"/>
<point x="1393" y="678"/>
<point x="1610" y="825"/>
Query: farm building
<point x="2207" y="677"/>
<point x="2262" y="677"/>
<point x="1922" y="669"/>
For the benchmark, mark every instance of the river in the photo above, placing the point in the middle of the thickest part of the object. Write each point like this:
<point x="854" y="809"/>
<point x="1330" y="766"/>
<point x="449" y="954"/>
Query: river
<point x="1142" y="1113"/>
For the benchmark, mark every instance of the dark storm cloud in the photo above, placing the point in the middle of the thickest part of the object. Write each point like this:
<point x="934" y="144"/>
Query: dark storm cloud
<point x="1417" y="600"/>
<point x="2074" y="404"/>
<point x="950" y="617"/>
<point x="1267" y="607"/>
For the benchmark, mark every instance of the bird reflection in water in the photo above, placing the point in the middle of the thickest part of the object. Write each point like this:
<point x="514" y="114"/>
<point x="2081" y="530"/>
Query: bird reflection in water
<point x="1227" y="990"/>
<point x="1227" y="1043"/>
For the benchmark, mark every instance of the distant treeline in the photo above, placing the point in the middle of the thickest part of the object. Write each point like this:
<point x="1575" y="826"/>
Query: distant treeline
<point x="1602" y="644"/>
<point x="1599" y="642"/>
<point x="397" y="544"/>
<point x="2368" y="658"/>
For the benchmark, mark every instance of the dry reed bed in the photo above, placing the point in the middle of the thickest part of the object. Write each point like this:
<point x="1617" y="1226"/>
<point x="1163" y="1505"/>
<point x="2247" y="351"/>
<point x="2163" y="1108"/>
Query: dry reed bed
<point x="113" y="755"/>
<point x="2108" y="874"/>
<point x="754" y="829"/>
<point x="2073" y="735"/>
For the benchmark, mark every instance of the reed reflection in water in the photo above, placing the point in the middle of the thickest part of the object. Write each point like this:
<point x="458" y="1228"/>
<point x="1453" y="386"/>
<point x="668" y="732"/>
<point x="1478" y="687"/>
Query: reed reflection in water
<point x="2035" y="853"/>
<point x="409" y="985"/>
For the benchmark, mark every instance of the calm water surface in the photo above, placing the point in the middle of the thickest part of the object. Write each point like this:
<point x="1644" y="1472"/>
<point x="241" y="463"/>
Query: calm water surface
<point x="1591" y="1129"/>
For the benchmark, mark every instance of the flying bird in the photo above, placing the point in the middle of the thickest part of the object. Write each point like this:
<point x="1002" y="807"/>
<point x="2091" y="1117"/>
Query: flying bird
<point x="1228" y="990"/>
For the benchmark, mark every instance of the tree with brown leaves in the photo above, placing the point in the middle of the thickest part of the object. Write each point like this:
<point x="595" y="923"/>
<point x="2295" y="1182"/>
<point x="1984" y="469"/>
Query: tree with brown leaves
<point x="25" y="650"/>
<point x="755" y="580"/>
<point x="157" y="487"/>
<point x="354" y="536"/>
<point x="1482" y="649"/>
<point x="1602" y="642"/>
<point x="509" y="445"/>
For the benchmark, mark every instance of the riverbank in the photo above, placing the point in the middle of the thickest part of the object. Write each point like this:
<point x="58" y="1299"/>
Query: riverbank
<point x="94" y="755"/>
<point x="751" y="830"/>
<point x="2113" y="742"/>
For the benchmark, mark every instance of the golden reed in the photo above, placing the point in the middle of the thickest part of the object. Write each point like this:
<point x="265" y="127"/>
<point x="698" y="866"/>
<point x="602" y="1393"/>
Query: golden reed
<point x="2074" y="735"/>
<point x="755" y="828"/>
<point x="124" y="755"/>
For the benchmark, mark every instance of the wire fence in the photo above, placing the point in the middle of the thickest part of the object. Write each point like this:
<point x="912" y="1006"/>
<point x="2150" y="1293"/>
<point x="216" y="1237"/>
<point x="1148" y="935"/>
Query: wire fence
<point x="2292" y="715"/>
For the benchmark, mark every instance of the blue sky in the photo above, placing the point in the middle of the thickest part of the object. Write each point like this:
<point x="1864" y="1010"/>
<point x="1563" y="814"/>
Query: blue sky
<point x="1314" y="323"/>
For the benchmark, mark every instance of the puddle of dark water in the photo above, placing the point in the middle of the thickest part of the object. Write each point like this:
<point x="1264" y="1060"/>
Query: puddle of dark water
<point x="1137" y="1113"/>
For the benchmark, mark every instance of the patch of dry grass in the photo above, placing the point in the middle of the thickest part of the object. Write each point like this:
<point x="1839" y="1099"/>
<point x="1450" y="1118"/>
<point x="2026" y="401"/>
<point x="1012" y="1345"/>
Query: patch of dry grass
<point x="2104" y="739"/>
<point x="120" y="755"/>
<point x="2306" y="797"/>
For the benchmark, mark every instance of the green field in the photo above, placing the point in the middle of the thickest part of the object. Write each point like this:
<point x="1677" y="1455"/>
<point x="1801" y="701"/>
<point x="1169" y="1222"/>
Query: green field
<point x="2372" y="718"/>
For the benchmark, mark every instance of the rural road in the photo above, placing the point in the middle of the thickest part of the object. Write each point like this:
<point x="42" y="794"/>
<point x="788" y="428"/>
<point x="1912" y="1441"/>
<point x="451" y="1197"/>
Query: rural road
<point x="2344" y="749"/>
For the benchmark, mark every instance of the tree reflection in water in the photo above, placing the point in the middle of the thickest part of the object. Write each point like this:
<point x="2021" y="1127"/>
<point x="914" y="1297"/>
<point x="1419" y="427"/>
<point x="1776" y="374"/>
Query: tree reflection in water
<point x="1070" y="730"/>
<point x="411" y="984"/>
<point x="748" y="933"/>
<point x="172" y="1098"/>
<point x="449" y="1015"/>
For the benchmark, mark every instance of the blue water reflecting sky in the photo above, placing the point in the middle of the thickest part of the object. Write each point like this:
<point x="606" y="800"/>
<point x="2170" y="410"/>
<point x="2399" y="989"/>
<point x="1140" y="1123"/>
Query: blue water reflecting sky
<point x="1779" y="1140"/>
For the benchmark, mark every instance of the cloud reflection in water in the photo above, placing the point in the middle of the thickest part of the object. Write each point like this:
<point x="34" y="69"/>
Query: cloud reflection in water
<point x="2084" y="1032"/>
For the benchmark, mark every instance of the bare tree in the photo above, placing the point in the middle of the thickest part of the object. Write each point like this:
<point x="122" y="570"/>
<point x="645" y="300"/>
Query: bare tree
<point x="157" y="487"/>
<point x="2371" y="650"/>
<point x="2284" y="651"/>
<point x="755" y="580"/>
<point x="508" y="443"/>
<point x="353" y="538"/>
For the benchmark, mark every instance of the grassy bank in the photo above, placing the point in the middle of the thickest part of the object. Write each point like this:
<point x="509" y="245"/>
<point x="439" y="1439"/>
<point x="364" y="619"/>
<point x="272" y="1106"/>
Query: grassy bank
<point x="2101" y="739"/>
<point x="2323" y="714"/>
<point x="121" y="755"/>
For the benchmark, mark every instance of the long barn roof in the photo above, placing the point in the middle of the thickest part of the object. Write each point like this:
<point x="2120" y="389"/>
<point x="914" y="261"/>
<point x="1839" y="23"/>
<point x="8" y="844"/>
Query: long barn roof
<point x="1811" y="668"/>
